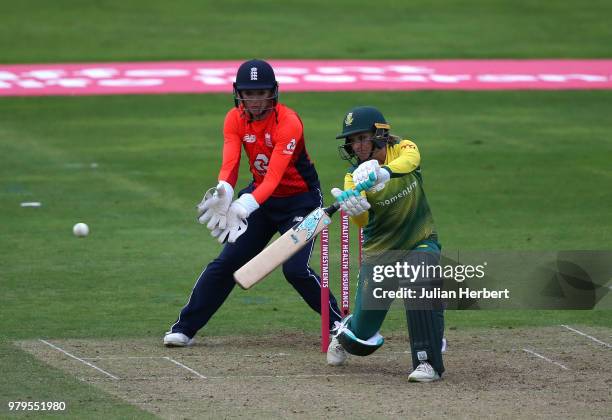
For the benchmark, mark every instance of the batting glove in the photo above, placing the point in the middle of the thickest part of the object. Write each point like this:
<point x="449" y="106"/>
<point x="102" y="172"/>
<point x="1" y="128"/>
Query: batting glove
<point x="237" y="216"/>
<point x="213" y="208"/>
<point x="353" y="205"/>
<point x="363" y="171"/>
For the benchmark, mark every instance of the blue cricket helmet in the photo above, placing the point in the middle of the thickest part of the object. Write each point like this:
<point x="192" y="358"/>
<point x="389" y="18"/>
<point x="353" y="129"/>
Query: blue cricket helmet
<point x="255" y="75"/>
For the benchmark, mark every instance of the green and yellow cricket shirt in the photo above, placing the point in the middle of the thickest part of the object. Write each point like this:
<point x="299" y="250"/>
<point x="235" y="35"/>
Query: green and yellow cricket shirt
<point x="400" y="216"/>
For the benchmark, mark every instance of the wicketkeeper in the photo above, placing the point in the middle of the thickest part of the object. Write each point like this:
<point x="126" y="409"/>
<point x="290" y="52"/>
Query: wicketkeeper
<point x="395" y="217"/>
<point x="284" y="189"/>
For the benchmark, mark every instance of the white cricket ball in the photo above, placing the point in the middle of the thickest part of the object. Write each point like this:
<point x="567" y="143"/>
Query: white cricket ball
<point x="80" y="229"/>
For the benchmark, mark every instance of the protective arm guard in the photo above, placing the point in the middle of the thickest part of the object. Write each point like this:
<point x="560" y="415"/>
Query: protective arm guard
<point x="354" y="345"/>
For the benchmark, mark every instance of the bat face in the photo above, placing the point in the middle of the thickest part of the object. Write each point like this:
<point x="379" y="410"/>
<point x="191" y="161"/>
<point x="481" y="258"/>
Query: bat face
<point x="282" y="249"/>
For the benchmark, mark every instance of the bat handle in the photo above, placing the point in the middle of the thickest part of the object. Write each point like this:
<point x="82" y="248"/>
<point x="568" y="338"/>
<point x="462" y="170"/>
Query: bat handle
<point x="362" y="186"/>
<point x="332" y="209"/>
<point x="366" y="185"/>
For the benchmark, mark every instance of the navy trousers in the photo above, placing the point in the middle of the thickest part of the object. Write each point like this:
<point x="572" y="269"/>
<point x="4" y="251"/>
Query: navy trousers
<point x="216" y="281"/>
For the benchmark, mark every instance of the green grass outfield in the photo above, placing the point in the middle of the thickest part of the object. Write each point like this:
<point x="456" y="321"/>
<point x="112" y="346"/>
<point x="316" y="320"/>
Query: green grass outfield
<point x="503" y="170"/>
<point x="74" y="30"/>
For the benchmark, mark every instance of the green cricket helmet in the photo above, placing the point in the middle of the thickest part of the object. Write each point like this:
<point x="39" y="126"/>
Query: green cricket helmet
<point x="363" y="119"/>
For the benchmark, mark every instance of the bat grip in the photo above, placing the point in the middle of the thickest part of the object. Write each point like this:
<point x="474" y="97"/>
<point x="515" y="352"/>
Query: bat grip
<point x="366" y="185"/>
<point x="362" y="186"/>
<point x="332" y="209"/>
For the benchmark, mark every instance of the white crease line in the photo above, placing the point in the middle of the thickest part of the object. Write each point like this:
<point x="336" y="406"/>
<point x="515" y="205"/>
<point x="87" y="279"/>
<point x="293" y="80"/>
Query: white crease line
<point x="588" y="336"/>
<point x="186" y="367"/>
<point x="123" y="357"/>
<point x="79" y="359"/>
<point x="195" y="356"/>
<point x="297" y="376"/>
<point x="545" y="358"/>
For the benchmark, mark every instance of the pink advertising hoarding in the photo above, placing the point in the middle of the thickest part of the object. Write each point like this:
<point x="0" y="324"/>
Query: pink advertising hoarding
<point x="304" y="75"/>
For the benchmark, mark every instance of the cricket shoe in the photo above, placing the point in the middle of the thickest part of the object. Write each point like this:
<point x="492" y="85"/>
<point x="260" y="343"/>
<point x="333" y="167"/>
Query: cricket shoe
<point x="424" y="373"/>
<point x="177" y="340"/>
<point x="336" y="355"/>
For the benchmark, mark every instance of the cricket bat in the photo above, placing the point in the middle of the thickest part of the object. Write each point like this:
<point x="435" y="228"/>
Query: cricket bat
<point x="291" y="241"/>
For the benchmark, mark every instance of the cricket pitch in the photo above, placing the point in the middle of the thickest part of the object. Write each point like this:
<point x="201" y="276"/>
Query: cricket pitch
<point x="502" y="373"/>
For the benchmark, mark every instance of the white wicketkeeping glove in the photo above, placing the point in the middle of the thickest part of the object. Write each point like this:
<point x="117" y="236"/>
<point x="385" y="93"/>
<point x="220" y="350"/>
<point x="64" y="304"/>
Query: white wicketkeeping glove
<point x="213" y="208"/>
<point x="237" y="216"/>
<point x="353" y="205"/>
<point x="364" y="170"/>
